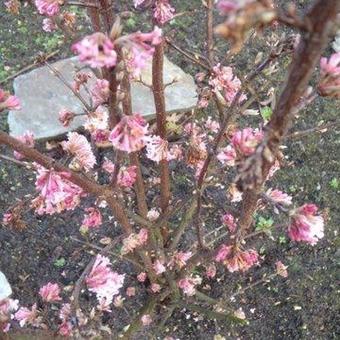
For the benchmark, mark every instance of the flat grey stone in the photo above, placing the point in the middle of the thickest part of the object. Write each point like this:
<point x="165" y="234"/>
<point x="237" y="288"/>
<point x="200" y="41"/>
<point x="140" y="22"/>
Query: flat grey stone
<point x="5" y="288"/>
<point x="43" y="95"/>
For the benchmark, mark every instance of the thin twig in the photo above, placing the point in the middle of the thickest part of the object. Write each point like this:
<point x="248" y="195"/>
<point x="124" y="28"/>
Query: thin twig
<point x="28" y="67"/>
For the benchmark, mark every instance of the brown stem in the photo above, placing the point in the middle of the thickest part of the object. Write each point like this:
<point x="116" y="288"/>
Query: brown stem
<point x="304" y="61"/>
<point x="134" y="160"/>
<point x="95" y="19"/>
<point x="107" y="14"/>
<point x="159" y="98"/>
<point x="210" y="34"/>
<point x="86" y="184"/>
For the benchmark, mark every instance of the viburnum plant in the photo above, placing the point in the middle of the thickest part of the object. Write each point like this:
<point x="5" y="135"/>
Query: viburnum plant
<point x="212" y="148"/>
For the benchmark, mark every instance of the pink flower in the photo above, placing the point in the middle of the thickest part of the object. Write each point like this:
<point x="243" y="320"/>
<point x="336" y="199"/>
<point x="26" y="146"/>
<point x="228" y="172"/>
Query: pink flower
<point x="211" y="271"/>
<point x="7" y="307"/>
<point x="139" y="47"/>
<point x="96" y="50"/>
<point x="146" y="320"/>
<point x="281" y="269"/>
<point x="236" y="259"/>
<point x="28" y="139"/>
<point x="159" y="267"/>
<point x="7" y="218"/>
<point x="155" y="288"/>
<point x="179" y="259"/>
<point x="330" y="66"/>
<point x="130" y="291"/>
<point x="65" y="329"/>
<point x="129" y="134"/>
<point x="163" y="11"/>
<point x="78" y="146"/>
<point x="279" y="197"/>
<point x="100" y="92"/>
<point x="175" y="152"/>
<point x="50" y="292"/>
<point x="8" y="102"/>
<point x="108" y="166"/>
<point x="224" y="80"/>
<point x="188" y="285"/>
<point x="212" y="125"/>
<point x="330" y="76"/>
<point x="80" y="79"/>
<point x="227" y="156"/>
<point x="229" y="221"/>
<point x="127" y="176"/>
<point x="306" y="226"/>
<point x="103" y="281"/>
<point x="28" y="316"/>
<point x="49" y="25"/>
<point x="65" y="117"/>
<point x="57" y="193"/>
<point x="93" y="218"/>
<point x="48" y="7"/>
<point x="97" y="121"/>
<point x="142" y="236"/>
<point x="153" y="214"/>
<point x="223" y="252"/>
<point x="133" y="241"/>
<point x="141" y="277"/>
<point x="156" y="149"/>
<point x="246" y="140"/>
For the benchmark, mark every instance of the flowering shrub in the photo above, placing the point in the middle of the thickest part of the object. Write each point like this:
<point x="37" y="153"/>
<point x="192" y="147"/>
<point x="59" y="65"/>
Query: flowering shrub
<point x="212" y="145"/>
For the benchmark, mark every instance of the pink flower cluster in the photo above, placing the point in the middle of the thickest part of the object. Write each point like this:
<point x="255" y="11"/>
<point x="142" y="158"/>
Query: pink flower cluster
<point x="50" y="292"/>
<point x="243" y="143"/>
<point x="179" y="259"/>
<point x="188" y="285"/>
<point x="7" y="308"/>
<point x="330" y="76"/>
<point x="126" y="176"/>
<point x="100" y="92"/>
<point x="56" y="192"/>
<point x="134" y="241"/>
<point x="78" y="146"/>
<point x="28" y="139"/>
<point x="129" y="134"/>
<point x="140" y="48"/>
<point x="157" y="149"/>
<point x="226" y="82"/>
<point x="92" y="219"/>
<point x="8" y="102"/>
<point x="96" y="50"/>
<point x="48" y="7"/>
<point x="305" y="225"/>
<point x="65" y="117"/>
<point x="104" y="282"/>
<point x="97" y="124"/>
<point x="28" y="316"/>
<point x="279" y="197"/>
<point x="49" y="25"/>
<point x="236" y="259"/>
<point x="229" y="221"/>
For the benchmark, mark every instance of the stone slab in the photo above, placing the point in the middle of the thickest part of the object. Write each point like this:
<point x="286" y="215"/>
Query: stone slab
<point x="43" y="95"/>
<point x="5" y="288"/>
